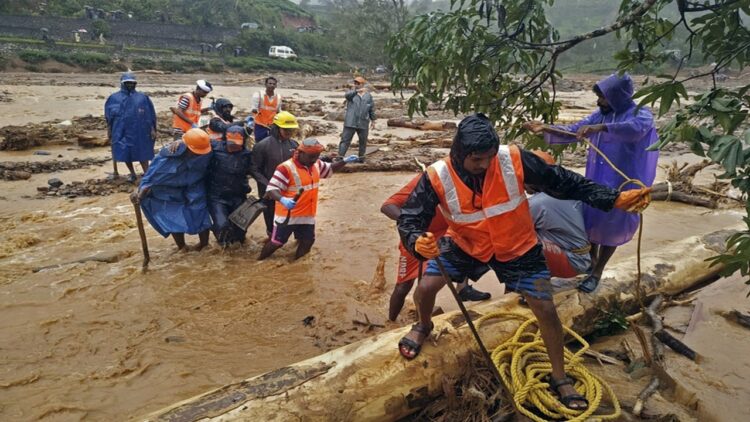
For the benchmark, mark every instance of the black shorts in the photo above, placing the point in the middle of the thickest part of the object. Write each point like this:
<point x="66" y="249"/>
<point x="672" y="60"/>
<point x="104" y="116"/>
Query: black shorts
<point x="281" y="234"/>
<point x="527" y="274"/>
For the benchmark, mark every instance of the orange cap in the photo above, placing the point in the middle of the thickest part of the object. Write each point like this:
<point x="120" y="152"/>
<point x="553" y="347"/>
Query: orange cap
<point x="360" y="80"/>
<point x="546" y="156"/>
<point x="198" y="141"/>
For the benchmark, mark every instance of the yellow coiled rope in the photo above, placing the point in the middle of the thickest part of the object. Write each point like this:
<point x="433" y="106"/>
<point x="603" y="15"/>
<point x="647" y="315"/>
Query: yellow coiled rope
<point x="523" y="364"/>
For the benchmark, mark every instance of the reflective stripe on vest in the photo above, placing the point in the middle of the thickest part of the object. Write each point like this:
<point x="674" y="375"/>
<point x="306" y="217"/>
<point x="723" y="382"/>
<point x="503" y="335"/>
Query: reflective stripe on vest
<point x="267" y="109"/>
<point x="307" y="205"/>
<point x="193" y="112"/>
<point x="454" y="213"/>
<point x="297" y="180"/>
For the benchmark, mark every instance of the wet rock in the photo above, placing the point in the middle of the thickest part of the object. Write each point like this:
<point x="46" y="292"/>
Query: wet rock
<point x="41" y="153"/>
<point x="16" y="175"/>
<point x="55" y="182"/>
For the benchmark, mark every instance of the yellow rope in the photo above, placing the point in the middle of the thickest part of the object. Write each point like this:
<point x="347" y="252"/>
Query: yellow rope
<point x="524" y="365"/>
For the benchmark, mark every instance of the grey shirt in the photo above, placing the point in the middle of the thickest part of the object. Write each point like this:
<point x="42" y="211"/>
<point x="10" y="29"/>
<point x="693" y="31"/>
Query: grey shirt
<point x="360" y="109"/>
<point x="267" y="155"/>
<point x="561" y="222"/>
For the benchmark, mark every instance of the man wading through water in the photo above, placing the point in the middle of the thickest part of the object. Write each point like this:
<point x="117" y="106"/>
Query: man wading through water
<point x="479" y="189"/>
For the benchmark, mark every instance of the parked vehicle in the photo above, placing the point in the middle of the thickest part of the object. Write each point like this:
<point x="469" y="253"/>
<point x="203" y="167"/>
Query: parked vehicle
<point x="281" y="51"/>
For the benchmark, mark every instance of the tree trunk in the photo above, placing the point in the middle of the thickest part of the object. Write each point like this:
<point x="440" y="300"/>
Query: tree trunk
<point x="420" y="125"/>
<point x="370" y="381"/>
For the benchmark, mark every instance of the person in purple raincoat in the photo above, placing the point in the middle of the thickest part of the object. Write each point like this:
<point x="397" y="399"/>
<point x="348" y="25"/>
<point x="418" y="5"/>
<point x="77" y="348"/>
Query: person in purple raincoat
<point x="622" y="132"/>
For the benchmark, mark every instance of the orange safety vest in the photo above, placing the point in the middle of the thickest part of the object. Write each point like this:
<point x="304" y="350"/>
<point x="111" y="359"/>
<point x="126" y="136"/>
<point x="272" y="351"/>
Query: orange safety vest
<point x="307" y="204"/>
<point x="267" y="109"/>
<point x="231" y="135"/>
<point x="193" y="112"/>
<point x="502" y="225"/>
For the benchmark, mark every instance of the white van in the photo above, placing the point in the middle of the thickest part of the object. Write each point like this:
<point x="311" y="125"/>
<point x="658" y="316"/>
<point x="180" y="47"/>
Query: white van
<point x="281" y="51"/>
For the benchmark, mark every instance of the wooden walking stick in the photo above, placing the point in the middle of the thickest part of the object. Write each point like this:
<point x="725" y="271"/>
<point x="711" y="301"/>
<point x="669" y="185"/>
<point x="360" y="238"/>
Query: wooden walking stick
<point x="141" y="231"/>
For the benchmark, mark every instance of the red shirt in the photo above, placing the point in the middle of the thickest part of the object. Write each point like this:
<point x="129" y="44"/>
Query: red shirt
<point x="438" y="225"/>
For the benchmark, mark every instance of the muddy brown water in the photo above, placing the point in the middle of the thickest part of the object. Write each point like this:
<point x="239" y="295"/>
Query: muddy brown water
<point x="104" y="341"/>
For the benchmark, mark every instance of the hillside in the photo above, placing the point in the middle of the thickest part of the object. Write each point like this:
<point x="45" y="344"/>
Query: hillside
<point x="229" y="13"/>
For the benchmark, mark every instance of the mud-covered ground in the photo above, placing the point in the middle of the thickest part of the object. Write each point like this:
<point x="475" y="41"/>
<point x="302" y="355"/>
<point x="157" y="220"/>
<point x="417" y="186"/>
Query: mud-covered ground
<point x="87" y="336"/>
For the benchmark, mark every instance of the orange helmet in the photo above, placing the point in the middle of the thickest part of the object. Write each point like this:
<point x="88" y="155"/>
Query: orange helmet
<point x="545" y="156"/>
<point x="198" y="141"/>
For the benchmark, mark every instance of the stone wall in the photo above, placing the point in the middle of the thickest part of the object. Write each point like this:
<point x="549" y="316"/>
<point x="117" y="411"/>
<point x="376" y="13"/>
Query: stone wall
<point x="126" y="32"/>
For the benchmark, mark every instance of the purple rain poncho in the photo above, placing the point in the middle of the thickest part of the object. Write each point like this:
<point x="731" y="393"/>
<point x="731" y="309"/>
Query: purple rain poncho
<point x="629" y="132"/>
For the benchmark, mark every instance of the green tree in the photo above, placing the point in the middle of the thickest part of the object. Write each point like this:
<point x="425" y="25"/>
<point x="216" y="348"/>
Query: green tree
<point x="501" y="58"/>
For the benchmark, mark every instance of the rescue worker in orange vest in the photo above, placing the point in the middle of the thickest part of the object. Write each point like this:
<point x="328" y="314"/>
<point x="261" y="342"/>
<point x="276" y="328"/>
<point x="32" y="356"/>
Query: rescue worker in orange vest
<point x="188" y="111"/>
<point x="302" y="173"/>
<point x="264" y="107"/>
<point x="479" y="188"/>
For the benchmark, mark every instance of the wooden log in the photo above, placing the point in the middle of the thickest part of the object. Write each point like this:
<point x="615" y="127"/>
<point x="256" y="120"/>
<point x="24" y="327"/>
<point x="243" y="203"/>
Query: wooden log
<point x="420" y="125"/>
<point x="370" y="381"/>
<point x="660" y="192"/>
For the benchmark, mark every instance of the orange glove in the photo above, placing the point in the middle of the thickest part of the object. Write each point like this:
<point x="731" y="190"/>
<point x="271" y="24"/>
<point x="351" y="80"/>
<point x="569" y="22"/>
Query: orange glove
<point x="634" y="200"/>
<point x="427" y="246"/>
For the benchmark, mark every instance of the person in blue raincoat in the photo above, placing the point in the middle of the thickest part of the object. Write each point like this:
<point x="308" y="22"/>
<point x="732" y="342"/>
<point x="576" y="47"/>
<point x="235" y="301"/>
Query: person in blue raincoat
<point x="131" y="125"/>
<point x="228" y="172"/>
<point x="622" y="132"/>
<point x="172" y="193"/>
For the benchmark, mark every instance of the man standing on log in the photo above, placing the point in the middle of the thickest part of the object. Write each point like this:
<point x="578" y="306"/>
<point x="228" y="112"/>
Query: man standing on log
<point x="131" y="125"/>
<point x="360" y="109"/>
<point x="409" y="267"/>
<point x="622" y="131"/>
<point x="479" y="189"/>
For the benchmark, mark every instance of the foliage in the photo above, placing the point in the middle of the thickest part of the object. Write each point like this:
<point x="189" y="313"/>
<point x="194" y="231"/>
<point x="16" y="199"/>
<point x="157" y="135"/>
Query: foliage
<point x="101" y="27"/>
<point x="501" y="58"/>
<point x="33" y="56"/>
<point x="201" y="12"/>
<point x="360" y="29"/>
<point x="610" y="323"/>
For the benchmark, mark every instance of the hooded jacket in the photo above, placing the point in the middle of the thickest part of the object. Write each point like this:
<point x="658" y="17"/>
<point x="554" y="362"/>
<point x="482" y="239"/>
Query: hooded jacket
<point x="629" y="132"/>
<point x="130" y="117"/>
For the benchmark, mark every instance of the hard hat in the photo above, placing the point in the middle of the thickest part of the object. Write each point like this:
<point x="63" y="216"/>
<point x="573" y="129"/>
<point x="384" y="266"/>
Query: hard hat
<point x="285" y="120"/>
<point x="198" y="141"/>
<point x="546" y="156"/>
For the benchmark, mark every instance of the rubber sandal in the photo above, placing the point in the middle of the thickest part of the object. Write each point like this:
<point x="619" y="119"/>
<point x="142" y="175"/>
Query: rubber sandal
<point x="411" y="344"/>
<point x="567" y="400"/>
<point x="589" y="284"/>
<point x="470" y="294"/>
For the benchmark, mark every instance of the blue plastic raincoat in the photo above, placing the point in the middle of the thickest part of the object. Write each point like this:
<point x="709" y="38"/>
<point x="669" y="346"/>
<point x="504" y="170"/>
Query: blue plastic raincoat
<point x="629" y="132"/>
<point x="176" y="202"/>
<point x="131" y="117"/>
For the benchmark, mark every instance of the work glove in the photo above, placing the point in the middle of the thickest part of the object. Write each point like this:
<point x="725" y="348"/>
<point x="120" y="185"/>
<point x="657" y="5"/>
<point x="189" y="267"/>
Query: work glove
<point x="194" y="126"/>
<point x="351" y="158"/>
<point x="288" y="203"/>
<point x="634" y="200"/>
<point x="427" y="246"/>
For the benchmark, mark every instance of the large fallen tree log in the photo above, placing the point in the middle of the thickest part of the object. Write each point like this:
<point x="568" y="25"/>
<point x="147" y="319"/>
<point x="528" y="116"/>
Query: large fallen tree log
<point x="370" y="381"/>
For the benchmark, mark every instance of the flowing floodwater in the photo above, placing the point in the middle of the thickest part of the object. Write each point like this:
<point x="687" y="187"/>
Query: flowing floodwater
<point x="105" y="341"/>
